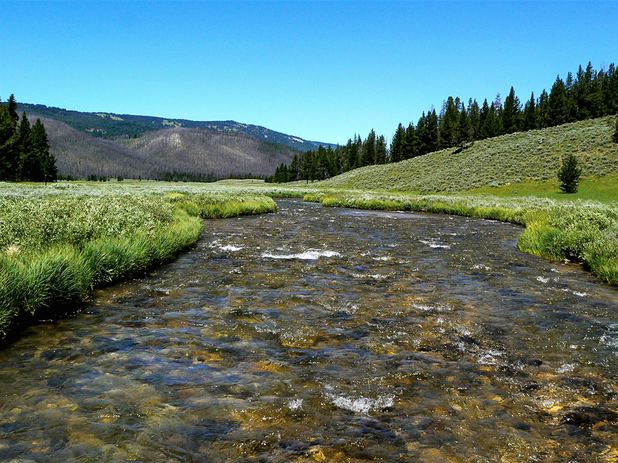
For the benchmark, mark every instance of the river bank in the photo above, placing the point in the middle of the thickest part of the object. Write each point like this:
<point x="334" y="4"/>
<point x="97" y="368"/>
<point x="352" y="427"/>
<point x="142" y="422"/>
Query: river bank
<point x="57" y="244"/>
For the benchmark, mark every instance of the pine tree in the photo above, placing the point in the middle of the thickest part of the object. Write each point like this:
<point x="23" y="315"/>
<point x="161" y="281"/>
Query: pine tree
<point x="432" y="131"/>
<point x="474" y="113"/>
<point x="569" y="174"/>
<point x="397" y="144"/>
<point x="449" y="124"/>
<point x="558" y="103"/>
<point x="381" y="150"/>
<point x="38" y="164"/>
<point x="615" y="137"/>
<point x="480" y="133"/>
<point x="492" y="127"/>
<point x="368" y="156"/>
<point x="610" y="90"/>
<point x="7" y="144"/>
<point x="530" y="115"/>
<point x="543" y="116"/>
<point x="464" y="130"/>
<point x="12" y="108"/>
<point x="25" y="143"/>
<point x="293" y="169"/>
<point x="410" y="143"/>
<point x="511" y="113"/>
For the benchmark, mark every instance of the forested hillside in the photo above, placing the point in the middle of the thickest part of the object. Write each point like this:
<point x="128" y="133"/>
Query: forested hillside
<point x="513" y="158"/>
<point x="192" y="154"/>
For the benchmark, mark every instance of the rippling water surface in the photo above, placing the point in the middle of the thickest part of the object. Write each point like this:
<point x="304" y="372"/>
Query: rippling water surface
<point x="321" y="334"/>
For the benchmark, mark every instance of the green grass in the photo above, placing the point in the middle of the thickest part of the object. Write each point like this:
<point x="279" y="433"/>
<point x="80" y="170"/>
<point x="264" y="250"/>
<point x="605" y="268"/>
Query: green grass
<point x="58" y="243"/>
<point x="603" y="189"/>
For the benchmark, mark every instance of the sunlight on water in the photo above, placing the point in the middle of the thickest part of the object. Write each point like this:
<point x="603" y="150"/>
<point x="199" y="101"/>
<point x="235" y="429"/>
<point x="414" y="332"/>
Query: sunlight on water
<point x="320" y="334"/>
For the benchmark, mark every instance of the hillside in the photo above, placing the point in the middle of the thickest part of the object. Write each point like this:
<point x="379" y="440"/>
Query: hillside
<point x="534" y="155"/>
<point x="209" y="151"/>
<point x="112" y="126"/>
<point x="193" y="151"/>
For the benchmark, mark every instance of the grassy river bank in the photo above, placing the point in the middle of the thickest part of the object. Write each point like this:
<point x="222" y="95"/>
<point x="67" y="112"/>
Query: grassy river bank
<point x="60" y="242"/>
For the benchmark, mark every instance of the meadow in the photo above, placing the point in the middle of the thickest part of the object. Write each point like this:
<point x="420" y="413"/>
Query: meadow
<point x="59" y="242"/>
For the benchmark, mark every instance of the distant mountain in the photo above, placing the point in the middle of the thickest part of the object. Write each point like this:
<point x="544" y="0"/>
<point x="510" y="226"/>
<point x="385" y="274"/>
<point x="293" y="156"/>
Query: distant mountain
<point x="192" y="151"/>
<point x="113" y="126"/>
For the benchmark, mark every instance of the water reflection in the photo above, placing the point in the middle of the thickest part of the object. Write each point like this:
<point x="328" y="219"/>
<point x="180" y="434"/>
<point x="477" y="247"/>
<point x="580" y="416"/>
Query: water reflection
<point x="327" y="335"/>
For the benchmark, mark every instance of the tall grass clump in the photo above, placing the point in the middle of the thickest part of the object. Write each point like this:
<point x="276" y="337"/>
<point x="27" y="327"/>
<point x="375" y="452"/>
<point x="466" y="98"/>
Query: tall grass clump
<point x="55" y="248"/>
<point x="222" y="205"/>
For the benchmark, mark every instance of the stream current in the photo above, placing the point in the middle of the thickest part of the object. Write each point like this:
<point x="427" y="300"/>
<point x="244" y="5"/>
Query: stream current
<point x="324" y="334"/>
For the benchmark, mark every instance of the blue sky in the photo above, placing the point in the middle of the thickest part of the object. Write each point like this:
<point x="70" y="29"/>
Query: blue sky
<point x="319" y="70"/>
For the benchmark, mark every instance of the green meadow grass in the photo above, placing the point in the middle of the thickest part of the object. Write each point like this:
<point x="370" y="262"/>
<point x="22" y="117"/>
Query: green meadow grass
<point x="58" y="243"/>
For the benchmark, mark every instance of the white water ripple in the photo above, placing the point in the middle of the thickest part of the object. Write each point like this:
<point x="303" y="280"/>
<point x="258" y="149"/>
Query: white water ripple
<point x="361" y="404"/>
<point x="307" y="255"/>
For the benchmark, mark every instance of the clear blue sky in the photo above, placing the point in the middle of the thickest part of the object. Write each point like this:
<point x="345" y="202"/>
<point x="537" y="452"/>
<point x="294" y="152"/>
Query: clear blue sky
<point x="319" y="70"/>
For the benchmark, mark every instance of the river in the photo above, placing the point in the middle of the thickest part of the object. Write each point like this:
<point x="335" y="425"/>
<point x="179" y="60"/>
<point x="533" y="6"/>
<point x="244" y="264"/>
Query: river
<point x="324" y="334"/>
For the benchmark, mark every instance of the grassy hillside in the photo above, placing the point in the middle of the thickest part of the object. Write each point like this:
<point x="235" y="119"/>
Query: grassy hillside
<point x="113" y="126"/>
<point x="515" y="158"/>
<point x="193" y="151"/>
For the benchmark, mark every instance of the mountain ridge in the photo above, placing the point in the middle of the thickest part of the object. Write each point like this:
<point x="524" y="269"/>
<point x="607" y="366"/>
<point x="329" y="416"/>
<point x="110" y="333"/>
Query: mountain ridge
<point x="110" y="125"/>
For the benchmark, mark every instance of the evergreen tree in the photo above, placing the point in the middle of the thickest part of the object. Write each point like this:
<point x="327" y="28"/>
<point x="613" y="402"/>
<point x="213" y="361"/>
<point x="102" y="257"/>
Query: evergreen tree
<point x="39" y="165"/>
<point x="558" y="103"/>
<point x="588" y="97"/>
<point x="497" y="123"/>
<point x="480" y="133"/>
<point x="381" y="151"/>
<point x="543" y="115"/>
<point x="397" y="144"/>
<point x="615" y="136"/>
<point x="25" y="142"/>
<point x="474" y="113"/>
<point x="492" y="127"/>
<point x="571" y="101"/>
<point x="569" y="174"/>
<point x="293" y="170"/>
<point x="410" y="143"/>
<point x="530" y="115"/>
<point x="449" y="124"/>
<point x="464" y="130"/>
<point x="511" y="113"/>
<point x="610" y="90"/>
<point x="432" y="132"/>
<point x="12" y="108"/>
<point x="354" y="148"/>
<point x="7" y="144"/>
<point x="368" y="156"/>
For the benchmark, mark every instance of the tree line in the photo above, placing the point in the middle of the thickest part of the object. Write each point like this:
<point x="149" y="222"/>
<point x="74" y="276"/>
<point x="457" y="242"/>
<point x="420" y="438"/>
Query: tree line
<point x="24" y="149"/>
<point x="587" y="94"/>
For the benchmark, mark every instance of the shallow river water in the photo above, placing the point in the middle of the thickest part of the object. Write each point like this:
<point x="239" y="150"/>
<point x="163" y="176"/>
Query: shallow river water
<point x="323" y="334"/>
